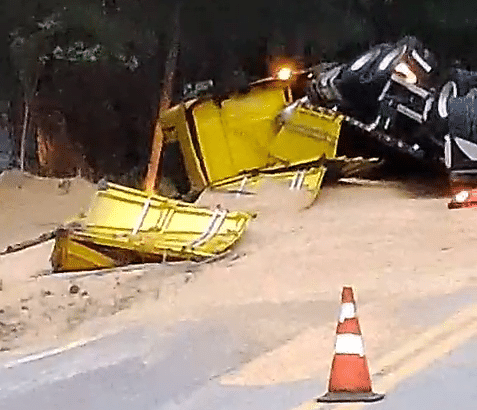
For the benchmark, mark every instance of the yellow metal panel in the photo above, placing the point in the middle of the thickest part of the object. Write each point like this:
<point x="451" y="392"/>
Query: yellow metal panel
<point x="306" y="135"/>
<point x="221" y="232"/>
<point x="125" y="209"/>
<point x="214" y="143"/>
<point x="176" y="128"/>
<point x="241" y="134"/>
<point x="309" y="179"/>
<point x="235" y="137"/>
<point x="69" y="255"/>
<point x="128" y="220"/>
<point x="250" y="125"/>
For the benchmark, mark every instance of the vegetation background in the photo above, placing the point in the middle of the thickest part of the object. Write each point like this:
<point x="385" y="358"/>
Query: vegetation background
<point x="83" y="77"/>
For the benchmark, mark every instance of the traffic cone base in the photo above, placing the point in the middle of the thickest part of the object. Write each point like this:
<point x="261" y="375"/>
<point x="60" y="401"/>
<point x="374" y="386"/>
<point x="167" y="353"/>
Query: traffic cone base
<point x="345" y="396"/>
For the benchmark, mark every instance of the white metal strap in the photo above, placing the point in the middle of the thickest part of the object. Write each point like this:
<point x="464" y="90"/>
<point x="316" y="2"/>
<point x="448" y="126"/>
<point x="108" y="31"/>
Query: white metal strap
<point x="410" y="113"/>
<point x="301" y="178"/>
<point x="293" y="182"/>
<point x="421" y="92"/>
<point x="423" y="63"/>
<point x="142" y="216"/>
<point x="297" y="181"/>
<point x="242" y="186"/>
<point x="372" y="126"/>
<point x="215" y="224"/>
<point x="385" y="90"/>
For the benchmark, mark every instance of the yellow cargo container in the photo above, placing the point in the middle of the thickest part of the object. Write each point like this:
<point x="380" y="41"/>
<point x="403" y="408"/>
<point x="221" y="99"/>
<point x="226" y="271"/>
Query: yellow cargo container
<point x="246" y="133"/>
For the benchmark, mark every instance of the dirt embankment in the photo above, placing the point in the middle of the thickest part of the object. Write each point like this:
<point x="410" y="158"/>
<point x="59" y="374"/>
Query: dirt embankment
<point x="392" y="244"/>
<point x="36" y="306"/>
<point x="31" y="205"/>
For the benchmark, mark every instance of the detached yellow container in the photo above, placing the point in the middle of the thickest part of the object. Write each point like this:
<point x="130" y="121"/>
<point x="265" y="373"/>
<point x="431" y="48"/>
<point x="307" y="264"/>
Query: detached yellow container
<point x="125" y="226"/>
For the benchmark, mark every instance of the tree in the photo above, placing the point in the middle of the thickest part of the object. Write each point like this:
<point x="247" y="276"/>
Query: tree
<point x="28" y="55"/>
<point x="78" y="32"/>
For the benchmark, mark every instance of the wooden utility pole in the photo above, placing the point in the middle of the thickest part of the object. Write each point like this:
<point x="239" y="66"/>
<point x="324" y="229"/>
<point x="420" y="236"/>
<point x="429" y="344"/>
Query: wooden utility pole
<point x="26" y="117"/>
<point x="164" y="103"/>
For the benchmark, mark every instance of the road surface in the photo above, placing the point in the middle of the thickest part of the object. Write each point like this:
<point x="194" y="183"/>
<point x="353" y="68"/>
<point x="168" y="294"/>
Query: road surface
<point x="190" y="365"/>
<point x="255" y="331"/>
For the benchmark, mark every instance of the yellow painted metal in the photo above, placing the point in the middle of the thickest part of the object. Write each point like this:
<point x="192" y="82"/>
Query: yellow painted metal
<point x="306" y="135"/>
<point x="235" y="136"/>
<point x="243" y="133"/>
<point x="222" y="142"/>
<point x="305" y="178"/>
<point x="176" y="128"/>
<point x="126" y="210"/>
<point x="128" y="221"/>
<point x="70" y="255"/>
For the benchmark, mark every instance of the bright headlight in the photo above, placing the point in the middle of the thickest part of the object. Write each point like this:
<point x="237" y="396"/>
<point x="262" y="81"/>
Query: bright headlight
<point x="284" y="73"/>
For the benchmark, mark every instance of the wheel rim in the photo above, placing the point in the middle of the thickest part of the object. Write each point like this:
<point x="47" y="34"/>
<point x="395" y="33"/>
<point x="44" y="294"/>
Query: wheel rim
<point x="448" y="89"/>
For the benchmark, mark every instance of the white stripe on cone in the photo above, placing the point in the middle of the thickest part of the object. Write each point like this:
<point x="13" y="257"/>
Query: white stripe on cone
<point x="349" y="343"/>
<point x="348" y="311"/>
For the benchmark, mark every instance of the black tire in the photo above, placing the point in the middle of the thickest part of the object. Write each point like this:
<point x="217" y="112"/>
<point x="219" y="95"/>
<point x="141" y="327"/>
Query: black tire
<point x="316" y="88"/>
<point x="361" y="84"/>
<point x="387" y="61"/>
<point x="330" y="83"/>
<point x="463" y="125"/>
<point x="462" y="118"/>
<point x="383" y="66"/>
<point x="464" y="79"/>
<point x="365" y="63"/>
<point x="436" y="127"/>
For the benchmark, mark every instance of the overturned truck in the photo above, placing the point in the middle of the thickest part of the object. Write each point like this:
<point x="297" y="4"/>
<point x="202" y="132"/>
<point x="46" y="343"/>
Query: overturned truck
<point x="392" y="93"/>
<point x="406" y="103"/>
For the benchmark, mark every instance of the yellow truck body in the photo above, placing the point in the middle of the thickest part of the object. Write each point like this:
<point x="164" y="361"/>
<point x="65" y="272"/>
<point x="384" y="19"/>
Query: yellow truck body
<point x="222" y="139"/>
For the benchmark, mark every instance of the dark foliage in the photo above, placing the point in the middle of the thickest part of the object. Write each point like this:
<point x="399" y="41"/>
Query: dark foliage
<point x="110" y="101"/>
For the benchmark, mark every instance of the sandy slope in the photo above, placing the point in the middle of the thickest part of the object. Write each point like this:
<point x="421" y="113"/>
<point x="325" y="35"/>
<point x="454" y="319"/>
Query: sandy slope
<point x="31" y="205"/>
<point x="279" y="287"/>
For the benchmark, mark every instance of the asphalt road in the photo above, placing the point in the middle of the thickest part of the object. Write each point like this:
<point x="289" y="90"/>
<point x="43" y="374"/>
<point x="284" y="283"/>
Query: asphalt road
<point x="180" y="367"/>
<point x="449" y="383"/>
<point x="141" y="370"/>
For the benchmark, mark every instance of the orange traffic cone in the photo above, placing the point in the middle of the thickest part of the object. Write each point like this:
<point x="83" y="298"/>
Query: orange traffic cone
<point x="349" y="377"/>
